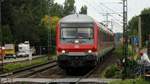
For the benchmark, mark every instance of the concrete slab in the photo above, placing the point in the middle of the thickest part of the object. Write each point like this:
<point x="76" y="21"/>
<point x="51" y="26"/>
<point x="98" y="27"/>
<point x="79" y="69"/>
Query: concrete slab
<point x="59" y="80"/>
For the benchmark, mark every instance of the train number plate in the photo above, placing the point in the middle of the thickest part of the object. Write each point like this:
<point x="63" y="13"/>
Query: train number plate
<point x="76" y="46"/>
<point x="76" y="53"/>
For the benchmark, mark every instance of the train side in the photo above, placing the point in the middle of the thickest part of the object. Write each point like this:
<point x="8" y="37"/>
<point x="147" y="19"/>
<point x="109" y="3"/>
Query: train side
<point x="81" y="42"/>
<point x="105" y="40"/>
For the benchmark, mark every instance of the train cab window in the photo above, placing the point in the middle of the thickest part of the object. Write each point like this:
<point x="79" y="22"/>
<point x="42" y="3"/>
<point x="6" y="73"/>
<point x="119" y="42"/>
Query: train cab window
<point x="77" y="33"/>
<point x="68" y="33"/>
<point x="85" y="35"/>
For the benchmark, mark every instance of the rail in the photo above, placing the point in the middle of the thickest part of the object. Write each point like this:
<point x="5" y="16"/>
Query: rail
<point x="30" y="70"/>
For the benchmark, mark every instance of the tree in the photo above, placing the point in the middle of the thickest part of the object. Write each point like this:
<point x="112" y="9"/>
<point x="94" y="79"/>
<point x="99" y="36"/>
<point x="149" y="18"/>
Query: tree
<point x="83" y="10"/>
<point x="145" y="11"/>
<point x="56" y="10"/>
<point x="6" y="34"/>
<point x="133" y="26"/>
<point x="23" y="18"/>
<point x="145" y="19"/>
<point x="69" y="7"/>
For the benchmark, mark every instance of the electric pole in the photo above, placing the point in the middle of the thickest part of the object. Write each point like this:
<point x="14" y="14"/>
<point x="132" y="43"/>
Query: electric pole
<point x="125" y="38"/>
<point x="139" y="32"/>
<point x="107" y="18"/>
<point x="111" y="24"/>
<point x="107" y="14"/>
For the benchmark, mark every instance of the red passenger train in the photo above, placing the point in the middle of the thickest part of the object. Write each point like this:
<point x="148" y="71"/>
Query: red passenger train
<point x="81" y="41"/>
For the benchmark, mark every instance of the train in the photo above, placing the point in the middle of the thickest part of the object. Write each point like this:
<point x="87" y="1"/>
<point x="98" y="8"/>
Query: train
<point x="81" y="41"/>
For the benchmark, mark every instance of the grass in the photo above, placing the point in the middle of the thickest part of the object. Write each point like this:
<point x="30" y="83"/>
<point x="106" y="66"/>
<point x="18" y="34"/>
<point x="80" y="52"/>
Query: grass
<point x="115" y="70"/>
<point x="131" y="81"/>
<point x="18" y="65"/>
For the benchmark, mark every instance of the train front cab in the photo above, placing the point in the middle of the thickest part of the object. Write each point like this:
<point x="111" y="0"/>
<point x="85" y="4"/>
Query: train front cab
<point x="77" y="54"/>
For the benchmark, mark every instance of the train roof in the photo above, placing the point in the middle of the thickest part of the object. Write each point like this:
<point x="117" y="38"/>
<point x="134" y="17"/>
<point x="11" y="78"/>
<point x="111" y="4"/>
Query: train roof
<point x="104" y="28"/>
<point x="77" y="18"/>
<point x="81" y="18"/>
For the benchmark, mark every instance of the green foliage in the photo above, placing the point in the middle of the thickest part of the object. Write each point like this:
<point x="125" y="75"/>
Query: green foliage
<point x="112" y="72"/>
<point x="119" y="52"/>
<point x="145" y="11"/>
<point x="145" y="22"/>
<point x="131" y="64"/>
<point x="18" y="65"/>
<point x="23" y="20"/>
<point x="130" y="81"/>
<point x="145" y="19"/>
<point x="7" y="34"/>
<point x="133" y="26"/>
<point x="83" y="10"/>
<point x="69" y="7"/>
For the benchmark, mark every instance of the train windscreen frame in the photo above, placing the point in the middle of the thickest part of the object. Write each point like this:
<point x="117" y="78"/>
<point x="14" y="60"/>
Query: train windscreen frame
<point x="70" y="32"/>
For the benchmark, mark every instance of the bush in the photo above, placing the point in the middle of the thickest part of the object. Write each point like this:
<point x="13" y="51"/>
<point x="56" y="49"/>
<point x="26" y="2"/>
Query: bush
<point x="119" y="52"/>
<point x="112" y="71"/>
<point x="130" y="81"/>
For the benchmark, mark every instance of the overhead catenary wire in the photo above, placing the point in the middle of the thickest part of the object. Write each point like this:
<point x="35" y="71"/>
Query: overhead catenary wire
<point x="79" y="4"/>
<point x="110" y="14"/>
<point x="92" y="7"/>
<point x="99" y="11"/>
<point x="111" y="9"/>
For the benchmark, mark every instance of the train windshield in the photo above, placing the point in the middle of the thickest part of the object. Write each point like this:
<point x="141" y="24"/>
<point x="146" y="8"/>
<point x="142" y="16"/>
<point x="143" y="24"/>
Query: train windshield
<point x="76" y="33"/>
<point x="84" y="35"/>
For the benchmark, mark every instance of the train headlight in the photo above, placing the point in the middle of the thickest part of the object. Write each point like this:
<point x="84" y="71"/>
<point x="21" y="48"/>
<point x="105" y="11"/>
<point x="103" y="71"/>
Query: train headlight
<point x="89" y="51"/>
<point x="76" y="41"/>
<point x="63" y="51"/>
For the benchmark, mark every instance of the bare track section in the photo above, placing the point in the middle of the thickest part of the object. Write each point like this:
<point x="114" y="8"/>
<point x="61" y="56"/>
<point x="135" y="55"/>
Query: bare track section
<point x="57" y="72"/>
<point x="28" y="71"/>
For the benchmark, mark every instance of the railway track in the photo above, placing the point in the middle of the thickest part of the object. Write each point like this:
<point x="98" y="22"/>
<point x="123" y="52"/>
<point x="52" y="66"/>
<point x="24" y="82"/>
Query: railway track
<point x="57" y="72"/>
<point x="56" y="75"/>
<point x="99" y="68"/>
<point x="28" y="71"/>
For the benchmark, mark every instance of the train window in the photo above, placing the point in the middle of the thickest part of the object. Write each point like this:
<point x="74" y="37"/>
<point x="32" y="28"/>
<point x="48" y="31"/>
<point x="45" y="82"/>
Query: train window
<point x="77" y="33"/>
<point x="85" y="35"/>
<point x="105" y="37"/>
<point x="68" y="33"/>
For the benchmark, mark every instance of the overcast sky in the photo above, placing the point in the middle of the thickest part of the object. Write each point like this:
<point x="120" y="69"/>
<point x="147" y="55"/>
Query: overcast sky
<point x="98" y="9"/>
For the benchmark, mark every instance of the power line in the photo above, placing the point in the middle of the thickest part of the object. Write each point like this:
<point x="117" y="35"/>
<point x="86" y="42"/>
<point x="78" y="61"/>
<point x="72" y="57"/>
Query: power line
<point x="111" y="10"/>
<point x="98" y="10"/>
<point x="93" y="7"/>
<point x="107" y="14"/>
<point x="79" y="4"/>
